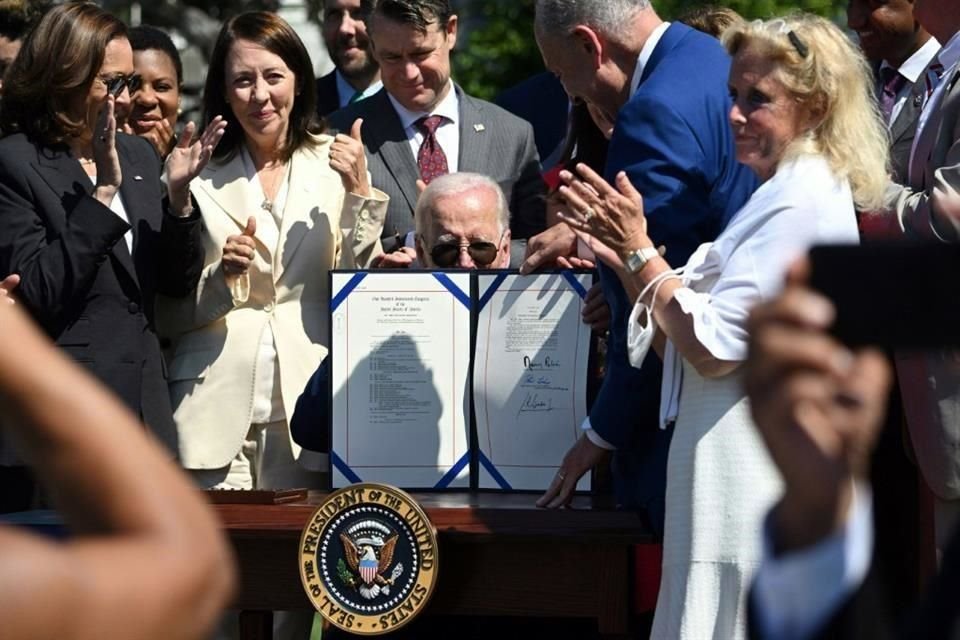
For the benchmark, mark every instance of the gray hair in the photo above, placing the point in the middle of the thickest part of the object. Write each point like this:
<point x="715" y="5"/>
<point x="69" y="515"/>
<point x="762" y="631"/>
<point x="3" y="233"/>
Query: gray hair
<point x="558" y="17"/>
<point x="454" y="184"/>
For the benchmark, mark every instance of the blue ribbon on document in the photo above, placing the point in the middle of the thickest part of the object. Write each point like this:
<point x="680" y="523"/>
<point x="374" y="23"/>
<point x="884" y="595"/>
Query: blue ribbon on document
<point x="485" y="298"/>
<point x="575" y="284"/>
<point x="347" y="290"/>
<point x="342" y="467"/>
<point x="454" y="471"/>
<point x="492" y="470"/>
<point x="457" y="292"/>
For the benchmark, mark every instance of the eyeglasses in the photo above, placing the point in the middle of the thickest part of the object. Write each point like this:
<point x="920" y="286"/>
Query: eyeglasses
<point x="115" y="84"/>
<point x="481" y="252"/>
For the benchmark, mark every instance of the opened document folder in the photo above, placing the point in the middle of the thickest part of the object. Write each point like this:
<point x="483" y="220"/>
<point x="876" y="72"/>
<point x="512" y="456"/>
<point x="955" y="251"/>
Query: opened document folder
<point x="456" y="379"/>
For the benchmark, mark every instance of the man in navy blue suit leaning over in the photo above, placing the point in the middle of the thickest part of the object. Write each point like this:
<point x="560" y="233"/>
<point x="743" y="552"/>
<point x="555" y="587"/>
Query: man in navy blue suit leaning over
<point x="665" y="86"/>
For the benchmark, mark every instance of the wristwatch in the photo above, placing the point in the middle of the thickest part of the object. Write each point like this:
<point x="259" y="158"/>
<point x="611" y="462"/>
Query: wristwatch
<point x="638" y="259"/>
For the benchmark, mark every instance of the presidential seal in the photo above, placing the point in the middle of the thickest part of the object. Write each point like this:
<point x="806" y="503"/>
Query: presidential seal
<point x="368" y="559"/>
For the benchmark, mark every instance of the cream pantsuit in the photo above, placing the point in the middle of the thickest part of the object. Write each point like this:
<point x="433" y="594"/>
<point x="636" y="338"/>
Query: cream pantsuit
<point x="217" y="334"/>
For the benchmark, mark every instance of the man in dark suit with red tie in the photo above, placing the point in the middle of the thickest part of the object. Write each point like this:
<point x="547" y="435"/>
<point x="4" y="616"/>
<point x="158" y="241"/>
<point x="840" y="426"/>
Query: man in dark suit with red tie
<point x="422" y="125"/>
<point x="356" y="74"/>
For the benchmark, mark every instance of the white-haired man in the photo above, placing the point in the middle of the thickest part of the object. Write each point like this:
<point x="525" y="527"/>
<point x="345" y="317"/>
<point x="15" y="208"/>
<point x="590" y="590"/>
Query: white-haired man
<point x="462" y="221"/>
<point x="665" y="86"/>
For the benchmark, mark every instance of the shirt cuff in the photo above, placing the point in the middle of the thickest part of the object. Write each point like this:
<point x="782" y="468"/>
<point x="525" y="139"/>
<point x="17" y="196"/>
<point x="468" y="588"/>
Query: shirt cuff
<point x="594" y="437"/>
<point x="795" y="594"/>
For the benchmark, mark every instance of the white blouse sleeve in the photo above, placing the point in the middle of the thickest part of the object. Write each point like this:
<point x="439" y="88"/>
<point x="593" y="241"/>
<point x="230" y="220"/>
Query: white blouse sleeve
<point x="748" y="262"/>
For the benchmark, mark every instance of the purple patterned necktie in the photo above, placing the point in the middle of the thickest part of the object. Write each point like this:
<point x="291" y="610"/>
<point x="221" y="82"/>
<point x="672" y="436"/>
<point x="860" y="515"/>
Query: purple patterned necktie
<point x="893" y="82"/>
<point x="431" y="159"/>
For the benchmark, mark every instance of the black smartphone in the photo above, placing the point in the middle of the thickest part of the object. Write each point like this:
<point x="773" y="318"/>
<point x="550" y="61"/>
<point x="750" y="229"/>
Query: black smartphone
<point x="891" y="295"/>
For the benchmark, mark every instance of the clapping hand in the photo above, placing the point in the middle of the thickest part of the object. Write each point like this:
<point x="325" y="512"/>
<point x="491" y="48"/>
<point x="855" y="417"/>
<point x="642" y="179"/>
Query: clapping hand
<point x="160" y="135"/>
<point x="349" y="159"/>
<point x="187" y="160"/>
<point x="613" y="216"/>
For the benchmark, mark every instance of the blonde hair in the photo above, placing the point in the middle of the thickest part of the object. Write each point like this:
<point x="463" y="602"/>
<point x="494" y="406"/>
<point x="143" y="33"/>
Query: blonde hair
<point x="831" y="79"/>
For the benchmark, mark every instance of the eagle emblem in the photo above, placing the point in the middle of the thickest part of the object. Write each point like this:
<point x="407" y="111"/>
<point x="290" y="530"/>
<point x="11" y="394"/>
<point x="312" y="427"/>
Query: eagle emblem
<point x="368" y="547"/>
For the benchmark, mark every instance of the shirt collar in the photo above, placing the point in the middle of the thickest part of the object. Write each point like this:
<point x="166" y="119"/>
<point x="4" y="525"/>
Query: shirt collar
<point x="950" y="52"/>
<point x="449" y="108"/>
<point x="645" y="52"/>
<point x="916" y="65"/>
<point x="345" y="90"/>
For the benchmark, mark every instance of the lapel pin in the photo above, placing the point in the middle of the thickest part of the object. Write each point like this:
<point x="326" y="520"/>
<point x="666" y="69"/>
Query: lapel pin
<point x="478" y="128"/>
<point x="917" y="100"/>
<point x="137" y="178"/>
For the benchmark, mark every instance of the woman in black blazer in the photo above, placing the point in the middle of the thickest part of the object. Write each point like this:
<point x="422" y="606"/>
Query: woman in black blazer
<point x="84" y="218"/>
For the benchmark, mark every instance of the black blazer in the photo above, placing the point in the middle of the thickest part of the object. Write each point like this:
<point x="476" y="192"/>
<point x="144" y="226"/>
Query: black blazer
<point x="80" y="282"/>
<point x="328" y="98"/>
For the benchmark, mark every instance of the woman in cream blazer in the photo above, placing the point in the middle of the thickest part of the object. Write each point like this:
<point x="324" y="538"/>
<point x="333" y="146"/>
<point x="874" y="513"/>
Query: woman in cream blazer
<point x="281" y="207"/>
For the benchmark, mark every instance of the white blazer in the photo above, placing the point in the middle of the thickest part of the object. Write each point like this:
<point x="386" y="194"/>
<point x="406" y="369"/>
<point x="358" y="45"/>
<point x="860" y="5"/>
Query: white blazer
<point x="216" y="334"/>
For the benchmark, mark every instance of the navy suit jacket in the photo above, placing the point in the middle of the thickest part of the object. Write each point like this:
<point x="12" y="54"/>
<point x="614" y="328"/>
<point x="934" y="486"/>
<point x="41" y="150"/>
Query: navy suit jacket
<point x="674" y="141"/>
<point x="328" y="96"/>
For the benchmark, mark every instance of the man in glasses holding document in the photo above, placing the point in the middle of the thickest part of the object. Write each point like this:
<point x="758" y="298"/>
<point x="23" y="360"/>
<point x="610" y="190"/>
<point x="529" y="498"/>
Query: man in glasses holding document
<point x="462" y="222"/>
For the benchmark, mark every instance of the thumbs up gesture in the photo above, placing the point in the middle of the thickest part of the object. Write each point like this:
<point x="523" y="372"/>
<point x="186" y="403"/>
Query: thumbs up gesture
<point x="349" y="159"/>
<point x="239" y="251"/>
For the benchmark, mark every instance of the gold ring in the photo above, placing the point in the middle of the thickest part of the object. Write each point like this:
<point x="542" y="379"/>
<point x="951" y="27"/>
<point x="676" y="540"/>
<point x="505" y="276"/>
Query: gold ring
<point x="589" y="214"/>
<point x="561" y="475"/>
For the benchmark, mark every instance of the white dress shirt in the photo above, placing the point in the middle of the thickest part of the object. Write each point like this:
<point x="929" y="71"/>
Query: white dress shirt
<point x="116" y="205"/>
<point x="645" y="52"/>
<point x="448" y="133"/>
<point x="912" y="69"/>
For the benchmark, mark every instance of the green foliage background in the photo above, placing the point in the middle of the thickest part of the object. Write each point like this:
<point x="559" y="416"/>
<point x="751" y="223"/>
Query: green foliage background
<point x="501" y="50"/>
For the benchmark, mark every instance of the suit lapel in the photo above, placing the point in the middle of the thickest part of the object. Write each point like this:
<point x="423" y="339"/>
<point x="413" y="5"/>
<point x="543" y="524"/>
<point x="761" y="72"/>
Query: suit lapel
<point x="388" y="140"/>
<point x="927" y="147"/>
<point x="62" y="172"/>
<point x="909" y="112"/>
<point x="65" y="176"/>
<point x="227" y="186"/>
<point x="473" y="136"/>
<point x="303" y="198"/>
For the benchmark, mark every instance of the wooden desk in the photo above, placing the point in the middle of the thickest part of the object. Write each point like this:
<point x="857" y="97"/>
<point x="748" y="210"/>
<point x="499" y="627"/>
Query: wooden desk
<point x="499" y="556"/>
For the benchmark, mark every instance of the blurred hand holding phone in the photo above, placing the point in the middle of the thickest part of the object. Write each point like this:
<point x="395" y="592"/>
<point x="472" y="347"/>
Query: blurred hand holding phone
<point x="892" y="295"/>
